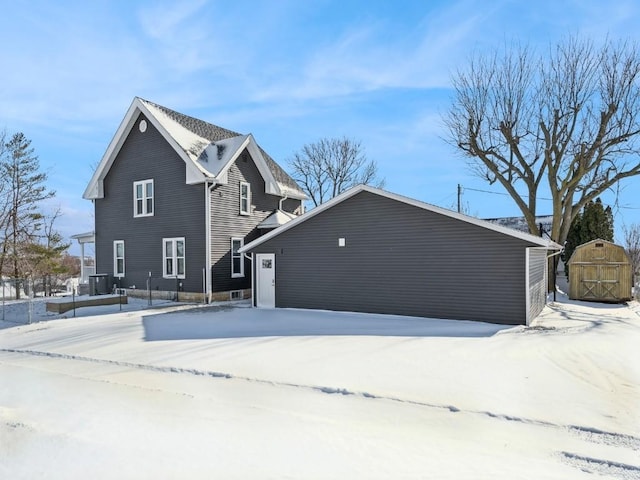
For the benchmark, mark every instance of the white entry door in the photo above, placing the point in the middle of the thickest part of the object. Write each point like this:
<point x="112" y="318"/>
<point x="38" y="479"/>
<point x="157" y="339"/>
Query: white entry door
<point x="266" y="281"/>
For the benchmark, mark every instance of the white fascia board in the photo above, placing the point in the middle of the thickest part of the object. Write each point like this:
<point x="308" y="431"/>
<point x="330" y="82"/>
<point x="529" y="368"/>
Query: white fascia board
<point x="230" y="156"/>
<point x="270" y="184"/>
<point x="550" y="245"/>
<point x="95" y="189"/>
<point x="302" y="218"/>
<point x="542" y="242"/>
<point x="292" y="192"/>
<point x="195" y="173"/>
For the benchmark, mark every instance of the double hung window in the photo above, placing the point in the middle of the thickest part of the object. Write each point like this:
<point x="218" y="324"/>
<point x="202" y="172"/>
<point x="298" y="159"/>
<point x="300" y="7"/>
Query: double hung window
<point x="143" y="198"/>
<point x="118" y="258"/>
<point x="237" y="262"/>
<point x="173" y="258"/>
<point x="245" y="198"/>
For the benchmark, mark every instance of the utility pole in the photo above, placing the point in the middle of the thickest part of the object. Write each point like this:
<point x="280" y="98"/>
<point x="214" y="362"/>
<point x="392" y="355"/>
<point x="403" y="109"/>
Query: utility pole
<point x="459" y="196"/>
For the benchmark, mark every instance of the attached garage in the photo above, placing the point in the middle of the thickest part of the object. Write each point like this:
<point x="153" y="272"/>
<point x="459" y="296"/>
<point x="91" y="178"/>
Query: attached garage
<point x="600" y="271"/>
<point x="368" y="250"/>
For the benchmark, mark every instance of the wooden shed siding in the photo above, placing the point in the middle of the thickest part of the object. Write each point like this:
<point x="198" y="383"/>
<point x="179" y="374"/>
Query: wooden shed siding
<point x="227" y="222"/>
<point x="399" y="259"/>
<point x="179" y="211"/>
<point x="600" y="273"/>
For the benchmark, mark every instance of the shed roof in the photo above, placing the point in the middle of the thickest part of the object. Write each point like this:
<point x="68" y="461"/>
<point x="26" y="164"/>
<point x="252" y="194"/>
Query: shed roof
<point x="576" y="256"/>
<point x="276" y="219"/>
<point x="538" y="241"/>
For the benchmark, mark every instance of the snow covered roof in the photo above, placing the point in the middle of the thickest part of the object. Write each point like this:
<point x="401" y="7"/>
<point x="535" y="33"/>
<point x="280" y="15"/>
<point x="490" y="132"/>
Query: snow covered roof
<point x="276" y="219"/>
<point x="520" y="223"/>
<point x="208" y="150"/>
<point x="87" y="237"/>
<point x="542" y="242"/>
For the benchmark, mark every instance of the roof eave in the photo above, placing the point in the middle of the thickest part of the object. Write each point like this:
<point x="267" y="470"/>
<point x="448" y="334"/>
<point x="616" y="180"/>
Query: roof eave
<point x="541" y="242"/>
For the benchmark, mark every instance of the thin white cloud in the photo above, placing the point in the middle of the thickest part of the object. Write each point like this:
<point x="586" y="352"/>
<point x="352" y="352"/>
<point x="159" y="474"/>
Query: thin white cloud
<point x="376" y="55"/>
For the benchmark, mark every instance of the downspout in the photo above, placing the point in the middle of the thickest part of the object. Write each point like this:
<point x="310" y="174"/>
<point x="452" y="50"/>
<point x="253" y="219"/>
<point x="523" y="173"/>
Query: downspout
<point x="208" y="188"/>
<point x="281" y="201"/>
<point x="253" y="281"/>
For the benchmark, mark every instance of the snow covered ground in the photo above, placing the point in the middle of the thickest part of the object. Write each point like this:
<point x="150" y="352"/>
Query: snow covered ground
<point x="241" y="393"/>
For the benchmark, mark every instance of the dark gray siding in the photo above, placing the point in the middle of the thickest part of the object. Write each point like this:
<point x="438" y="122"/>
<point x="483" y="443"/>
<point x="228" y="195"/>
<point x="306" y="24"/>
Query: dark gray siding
<point x="179" y="212"/>
<point x="399" y="259"/>
<point x="227" y="221"/>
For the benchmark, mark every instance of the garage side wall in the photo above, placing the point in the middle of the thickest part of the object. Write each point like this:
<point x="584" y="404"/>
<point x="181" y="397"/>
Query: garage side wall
<point x="537" y="284"/>
<point x="399" y="259"/>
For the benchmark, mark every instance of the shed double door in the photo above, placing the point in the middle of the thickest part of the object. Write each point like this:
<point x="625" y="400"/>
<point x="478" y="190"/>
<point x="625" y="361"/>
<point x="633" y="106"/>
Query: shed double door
<point x="600" y="282"/>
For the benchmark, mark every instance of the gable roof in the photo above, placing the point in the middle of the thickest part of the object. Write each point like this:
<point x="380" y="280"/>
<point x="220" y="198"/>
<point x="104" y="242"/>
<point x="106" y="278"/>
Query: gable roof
<point x="207" y="150"/>
<point x="541" y="242"/>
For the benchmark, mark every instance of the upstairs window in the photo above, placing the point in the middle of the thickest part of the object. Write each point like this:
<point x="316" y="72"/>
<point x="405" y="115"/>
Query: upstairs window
<point x="173" y="258"/>
<point x="237" y="263"/>
<point x="245" y="198"/>
<point x="118" y="258"/>
<point x="143" y="198"/>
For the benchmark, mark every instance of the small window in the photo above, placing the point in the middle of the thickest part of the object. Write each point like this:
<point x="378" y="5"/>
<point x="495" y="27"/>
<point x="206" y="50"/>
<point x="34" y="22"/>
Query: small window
<point x="245" y="198"/>
<point x="237" y="262"/>
<point x="143" y="198"/>
<point x="173" y="258"/>
<point x="235" y="295"/>
<point x="118" y="258"/>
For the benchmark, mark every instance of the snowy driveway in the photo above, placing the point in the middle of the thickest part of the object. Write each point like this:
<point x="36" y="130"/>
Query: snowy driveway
<point x="243" y="393"/>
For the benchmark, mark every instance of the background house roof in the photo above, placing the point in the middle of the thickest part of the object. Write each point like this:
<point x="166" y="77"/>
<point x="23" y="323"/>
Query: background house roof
<point x="544" y="223"/>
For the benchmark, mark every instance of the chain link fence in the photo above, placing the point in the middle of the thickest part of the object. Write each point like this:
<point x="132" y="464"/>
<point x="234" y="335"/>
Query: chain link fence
<point x="18" y="300"/>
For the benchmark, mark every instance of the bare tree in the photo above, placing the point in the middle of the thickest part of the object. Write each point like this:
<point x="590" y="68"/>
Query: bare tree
<point x="569" y="119"/>
<point x="44" y="256"/>
<point x="330" y="166"/>
<point x="632" y="246"/>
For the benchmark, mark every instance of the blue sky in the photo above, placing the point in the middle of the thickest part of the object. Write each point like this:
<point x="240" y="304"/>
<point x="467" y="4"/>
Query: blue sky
<point x="289" y="72"/>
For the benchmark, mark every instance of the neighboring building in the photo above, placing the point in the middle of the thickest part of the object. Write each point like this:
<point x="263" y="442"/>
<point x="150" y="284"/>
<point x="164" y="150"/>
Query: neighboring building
<point x="543" y="222"/>
<point x="368" y="250"/>
<point x="176" y="197"/>
<point x="600" y="271"/>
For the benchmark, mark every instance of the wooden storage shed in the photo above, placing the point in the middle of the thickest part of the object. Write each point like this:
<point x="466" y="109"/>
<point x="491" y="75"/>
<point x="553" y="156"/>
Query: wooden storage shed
<point x="600" y="271"/>
<point x="368" y="250"/>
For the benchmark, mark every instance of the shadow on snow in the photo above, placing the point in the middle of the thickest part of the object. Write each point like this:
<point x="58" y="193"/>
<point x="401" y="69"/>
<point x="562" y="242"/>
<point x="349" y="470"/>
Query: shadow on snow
<point x="221" y="322"/>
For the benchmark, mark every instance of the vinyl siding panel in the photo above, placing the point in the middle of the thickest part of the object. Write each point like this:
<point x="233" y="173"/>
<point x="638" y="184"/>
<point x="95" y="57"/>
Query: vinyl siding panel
<point x="179" y="212"/>
<point x="227" y="222"/>
<point x="399" y="259"/>
<point x="537" y="282"/>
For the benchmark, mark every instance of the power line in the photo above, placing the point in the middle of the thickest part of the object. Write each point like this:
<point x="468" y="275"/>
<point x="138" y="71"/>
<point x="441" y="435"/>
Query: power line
<point x="527" y="196"/>
<point x="504" y="194"/>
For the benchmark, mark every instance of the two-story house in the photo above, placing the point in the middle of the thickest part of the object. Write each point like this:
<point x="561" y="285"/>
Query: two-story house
<point x="175" y="198"/>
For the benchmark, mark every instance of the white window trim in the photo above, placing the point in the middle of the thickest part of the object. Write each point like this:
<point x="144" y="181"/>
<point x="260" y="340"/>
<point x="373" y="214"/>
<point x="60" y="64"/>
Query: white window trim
<point x="241" y="273"/>
<point x="174" y="257"/>
<point x="248" y="210"/>
<point x="144" y="198"/>
<point x="115" y="259"/>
